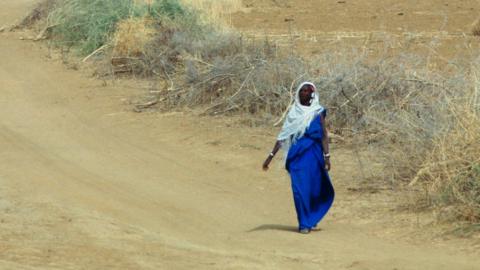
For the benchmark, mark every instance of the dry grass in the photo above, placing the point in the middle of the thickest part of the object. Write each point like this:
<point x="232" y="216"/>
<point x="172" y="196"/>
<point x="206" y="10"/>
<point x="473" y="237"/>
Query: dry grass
<point x="40" y="12"/>
<point x="131" y="37"/>
<point x="451" y="170"/>
<point x="476" y="28"/>
<point x="215" y="12"/>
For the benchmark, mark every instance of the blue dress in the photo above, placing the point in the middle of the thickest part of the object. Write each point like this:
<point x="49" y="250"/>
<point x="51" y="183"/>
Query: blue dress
<point x="313" y="192"/>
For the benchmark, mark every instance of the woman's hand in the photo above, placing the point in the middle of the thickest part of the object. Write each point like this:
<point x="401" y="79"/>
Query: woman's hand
<point x="327" y="164"/>
<point x="266" y="163"/>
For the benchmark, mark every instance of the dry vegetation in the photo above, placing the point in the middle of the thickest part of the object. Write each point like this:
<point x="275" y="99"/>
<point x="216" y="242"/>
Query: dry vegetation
<point x="215" y="12"/>
<point x="476" y="28"/>
<point x="451" y="170"/>
<point x="425" y="122"/>
<point x="40" y="12"/>
<point x="131" y="37"/>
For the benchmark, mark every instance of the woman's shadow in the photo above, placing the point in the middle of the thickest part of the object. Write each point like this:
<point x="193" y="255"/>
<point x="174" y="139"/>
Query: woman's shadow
<point x="276" y="227"/>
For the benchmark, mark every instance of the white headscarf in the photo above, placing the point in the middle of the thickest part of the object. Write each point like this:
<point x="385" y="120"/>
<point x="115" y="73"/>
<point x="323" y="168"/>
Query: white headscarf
<point x="299" y="118"/>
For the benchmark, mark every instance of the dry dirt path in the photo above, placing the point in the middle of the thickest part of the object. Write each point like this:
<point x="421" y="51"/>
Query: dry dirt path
<point x="86" y="184"/>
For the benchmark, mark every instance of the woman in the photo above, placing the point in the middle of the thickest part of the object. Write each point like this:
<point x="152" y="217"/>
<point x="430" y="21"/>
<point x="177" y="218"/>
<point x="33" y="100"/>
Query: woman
<point x="304" y="138"/>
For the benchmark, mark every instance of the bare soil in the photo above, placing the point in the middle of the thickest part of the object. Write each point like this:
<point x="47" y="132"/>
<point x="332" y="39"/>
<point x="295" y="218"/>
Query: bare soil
<point x="436" y="28"/>
<point x="86" y="183"/>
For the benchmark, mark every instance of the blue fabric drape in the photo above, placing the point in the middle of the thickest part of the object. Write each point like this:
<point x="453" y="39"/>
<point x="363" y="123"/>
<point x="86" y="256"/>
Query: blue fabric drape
<point x="313" y="192"/>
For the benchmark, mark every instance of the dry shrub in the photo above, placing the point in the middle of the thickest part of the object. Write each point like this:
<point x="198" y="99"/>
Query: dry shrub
<point x="451" y="171"/>
<point x="40" y="12"/>
<point x="90" y="24"/>
<point x="223" y="72"/>
<point x="131" y="37"/>
<point x="386" y="103"/>
<point x="476" y="28"/>
<point x="425" y="124"/>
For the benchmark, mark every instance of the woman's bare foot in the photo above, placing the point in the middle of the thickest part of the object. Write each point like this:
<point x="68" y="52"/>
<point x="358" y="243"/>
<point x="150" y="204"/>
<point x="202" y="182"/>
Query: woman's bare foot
<point x="304" y="231"/>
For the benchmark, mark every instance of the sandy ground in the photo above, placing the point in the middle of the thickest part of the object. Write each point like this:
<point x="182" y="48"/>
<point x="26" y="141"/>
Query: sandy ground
<point x="85" y="183"/>
<point x="438" y="29"/>
<point x="359" y="15"/>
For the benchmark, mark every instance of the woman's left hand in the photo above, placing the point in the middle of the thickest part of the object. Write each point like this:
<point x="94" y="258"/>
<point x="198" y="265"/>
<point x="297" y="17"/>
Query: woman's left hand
<point x="327" y="164"/>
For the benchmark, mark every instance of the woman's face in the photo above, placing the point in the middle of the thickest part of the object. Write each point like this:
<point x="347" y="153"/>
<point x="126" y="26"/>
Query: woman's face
<point x="305" y="95"/>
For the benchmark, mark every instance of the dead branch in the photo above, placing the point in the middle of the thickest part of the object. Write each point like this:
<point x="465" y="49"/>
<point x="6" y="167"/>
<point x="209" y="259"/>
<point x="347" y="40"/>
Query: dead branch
<point x="43" y="34"/>
<point x="95" y="52"/>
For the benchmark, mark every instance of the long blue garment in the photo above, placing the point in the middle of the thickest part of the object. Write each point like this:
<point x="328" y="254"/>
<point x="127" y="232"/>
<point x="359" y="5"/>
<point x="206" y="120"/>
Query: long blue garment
<point x="313" y="192"/>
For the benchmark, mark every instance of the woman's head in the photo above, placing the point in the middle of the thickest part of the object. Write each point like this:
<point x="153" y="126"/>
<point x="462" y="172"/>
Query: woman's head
<point x="306" y="93"/>
<point x="305" y="108"/>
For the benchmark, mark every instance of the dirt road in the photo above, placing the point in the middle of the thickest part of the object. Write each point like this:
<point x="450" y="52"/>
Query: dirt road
<point x="87" y="184"/>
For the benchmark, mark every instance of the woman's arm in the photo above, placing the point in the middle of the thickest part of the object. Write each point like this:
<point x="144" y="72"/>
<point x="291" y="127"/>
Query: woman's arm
<point x="275" y="149"/>
<point x="325" y="146"/>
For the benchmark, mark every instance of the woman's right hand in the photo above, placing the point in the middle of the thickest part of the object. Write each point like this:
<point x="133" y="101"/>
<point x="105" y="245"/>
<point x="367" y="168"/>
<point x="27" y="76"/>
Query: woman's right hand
<point x="328" y="165"/>
<point x="266" y="163"/>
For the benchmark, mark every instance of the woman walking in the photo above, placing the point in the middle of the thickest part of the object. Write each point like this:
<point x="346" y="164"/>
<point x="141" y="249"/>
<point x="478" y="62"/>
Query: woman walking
<point x="304" y="138"/>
